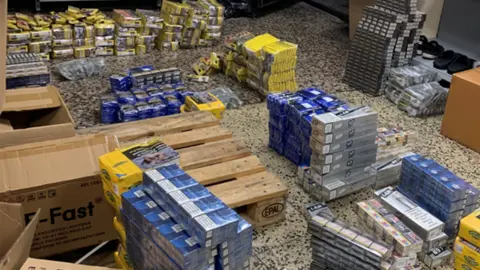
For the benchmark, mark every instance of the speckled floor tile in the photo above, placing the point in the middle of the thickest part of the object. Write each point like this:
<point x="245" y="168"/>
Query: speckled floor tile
<point x="295" y="254"/>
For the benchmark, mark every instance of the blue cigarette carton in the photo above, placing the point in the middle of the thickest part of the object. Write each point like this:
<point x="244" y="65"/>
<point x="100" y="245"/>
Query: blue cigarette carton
<point x="215" y="227"/>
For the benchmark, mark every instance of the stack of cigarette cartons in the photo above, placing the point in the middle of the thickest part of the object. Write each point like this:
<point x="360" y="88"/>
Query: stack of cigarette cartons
<point x="121" y="170"/>
<point x="290" y="120"/>
<point x="387" y="171"/>
<point x="83" y="40"/>
<point x="214" y="21"/>
<point x="336" y="245"/>
<point x="384" y="38"/>
<point x="343" y="148"/>
<point x="467" y="244"/>
<point x="152" y="25"/>
<point x="174" y="16"/>
<point x="174" y="221"/>
<point x="62" y="42"/>
<point x="438" y="190"/>
<point x="127" y="25"/>
<point x="425" y="225"/>
<point x="26" y="69"/>
<point x="234" y="62"/>
<point x="29" y="34"/>
<point x="104" y="37"/>
<point x="271" y="64"/>
<point x="381" y="222"/>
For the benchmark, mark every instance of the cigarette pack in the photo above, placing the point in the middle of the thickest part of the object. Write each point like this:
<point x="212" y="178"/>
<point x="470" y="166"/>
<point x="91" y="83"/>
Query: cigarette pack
<point x="344" y="120"/>
<point x="424" y="224"/>
<point x="313" y="209"/>
<point x="437" y="257"/>
<point x="336" y="189"/>
<point x="470" y="228"/>
<point x="467" y="252"/>
<point x="388" y="227"/>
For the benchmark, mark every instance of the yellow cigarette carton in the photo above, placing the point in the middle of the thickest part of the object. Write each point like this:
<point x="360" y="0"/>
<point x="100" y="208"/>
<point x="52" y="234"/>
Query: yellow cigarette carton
<point x="470" y="228"/>
<point x="467" y="252"/>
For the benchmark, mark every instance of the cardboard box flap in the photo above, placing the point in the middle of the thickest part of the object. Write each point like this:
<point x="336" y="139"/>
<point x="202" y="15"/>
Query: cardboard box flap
<point x="54" y="265"/>
<point x="12" y="227"/>
<point x="26" y="99"/>
<point x="37" y="164"/>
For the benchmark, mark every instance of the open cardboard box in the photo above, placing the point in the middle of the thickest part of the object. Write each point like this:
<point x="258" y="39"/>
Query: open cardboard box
<point x="16" y="240"/>
<point x="61" y="177"/>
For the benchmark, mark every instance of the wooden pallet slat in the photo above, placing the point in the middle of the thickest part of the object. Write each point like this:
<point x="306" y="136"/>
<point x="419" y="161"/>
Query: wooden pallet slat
<point x="229" y="170"/>
<point x="196" y="137"/>
<point x="211" y="153"/>
<point x="249" y="189"/>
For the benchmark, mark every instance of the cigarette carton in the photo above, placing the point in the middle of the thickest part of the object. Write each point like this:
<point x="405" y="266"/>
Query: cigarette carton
<point x="337" y="189"/>
<point x="425" y="225"/>
<point x="470" y="228"/>
<point x="327" y="138"/>
<point x="437" y="257"/>
<point x="335" y="122"/>
<point x="467" y="252"/>
<point x="323" y="149"/>
<point x="436" y="242"/>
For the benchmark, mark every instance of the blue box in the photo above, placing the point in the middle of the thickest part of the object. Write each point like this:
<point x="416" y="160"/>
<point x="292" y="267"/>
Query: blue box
<point x="129" y="198"/>
<point x="311" y="93"/>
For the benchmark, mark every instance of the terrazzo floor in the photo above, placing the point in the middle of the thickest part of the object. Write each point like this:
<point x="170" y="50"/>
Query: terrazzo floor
<point x="323" y="47"/>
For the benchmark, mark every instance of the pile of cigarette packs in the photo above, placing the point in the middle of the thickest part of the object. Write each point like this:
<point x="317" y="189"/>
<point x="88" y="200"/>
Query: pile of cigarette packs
<point x="336" y="245"/>
<point x="26" y="69"/>
<point x="122" y="170"/>
<point x="190" y="24"/>
<point x="270" y="64"/>
<point x="385" y="38"/>
<point x="343" y="149"/>
<point x="467" y="244"/>
<point x="145" y="92"/>
<point x="290" y="121"/>
<point x="234" y="60"/>
<point x="434" y="251"/>
<point x="438" y="190"/>
<point x="414" y="90"/>
<point x="173" y="221"/>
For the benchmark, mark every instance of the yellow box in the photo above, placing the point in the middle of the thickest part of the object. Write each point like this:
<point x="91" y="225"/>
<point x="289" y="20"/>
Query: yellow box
<point x="122" y="254"/>
<point x="120" y="262"/>
<point x="118" y="169"/>
<point x="120" y="230"/>
<point x="467" y="252"/>
<point x="462" y="265"/>
<point x="470" y="228"/>
<point x="211" y="104"/>
<point x="113" y="199"/>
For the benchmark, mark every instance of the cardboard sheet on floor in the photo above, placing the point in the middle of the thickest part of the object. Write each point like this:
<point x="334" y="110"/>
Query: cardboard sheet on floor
<point x="62" y="178"/>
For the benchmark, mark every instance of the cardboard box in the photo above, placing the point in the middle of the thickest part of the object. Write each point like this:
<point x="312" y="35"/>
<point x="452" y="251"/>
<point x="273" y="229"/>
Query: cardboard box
<point x="17" y="239"/>
<point x="460" y="122"/>
<point x="34" y="115"/>
<point x="61" y="177"/>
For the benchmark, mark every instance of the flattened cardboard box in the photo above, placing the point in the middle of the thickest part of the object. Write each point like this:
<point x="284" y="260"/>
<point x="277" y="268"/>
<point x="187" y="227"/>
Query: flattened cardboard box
<point x="34" y="115"/>
<point x="61" y="177"/>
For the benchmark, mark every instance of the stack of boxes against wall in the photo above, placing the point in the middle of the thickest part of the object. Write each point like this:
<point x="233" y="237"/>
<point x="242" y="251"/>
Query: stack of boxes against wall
<point x="467" y="244"/>
<point x="170" y="220"/>
<point x="145" y="92"/>
<point x="190" y="24"/>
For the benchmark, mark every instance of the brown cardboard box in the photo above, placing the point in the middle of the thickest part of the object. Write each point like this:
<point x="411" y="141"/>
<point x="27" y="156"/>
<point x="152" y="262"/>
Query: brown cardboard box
<point x="16" y="240"/>
<point x="62" y="178"/>
<point x="461" y="121"/>
<point x="34" y="115"/>
<point x="355" y="9"/>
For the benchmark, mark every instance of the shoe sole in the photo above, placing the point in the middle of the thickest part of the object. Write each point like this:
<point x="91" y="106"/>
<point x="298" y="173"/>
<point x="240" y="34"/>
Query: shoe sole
<point x="429" y="56"/>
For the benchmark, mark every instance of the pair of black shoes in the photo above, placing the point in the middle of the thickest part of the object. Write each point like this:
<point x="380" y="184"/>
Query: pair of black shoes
<point x="451" y="61"/>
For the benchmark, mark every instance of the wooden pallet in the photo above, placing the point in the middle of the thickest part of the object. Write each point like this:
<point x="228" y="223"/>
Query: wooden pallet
<point x="210" y="154"/>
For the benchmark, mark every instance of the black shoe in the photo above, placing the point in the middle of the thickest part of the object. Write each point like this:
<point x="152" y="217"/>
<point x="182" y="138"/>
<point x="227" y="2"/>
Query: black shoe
<point x="461" y="63"/>
<point x="445" y="59"/>
<point x="432" y="50"/>
<point x="420" y="46"/>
